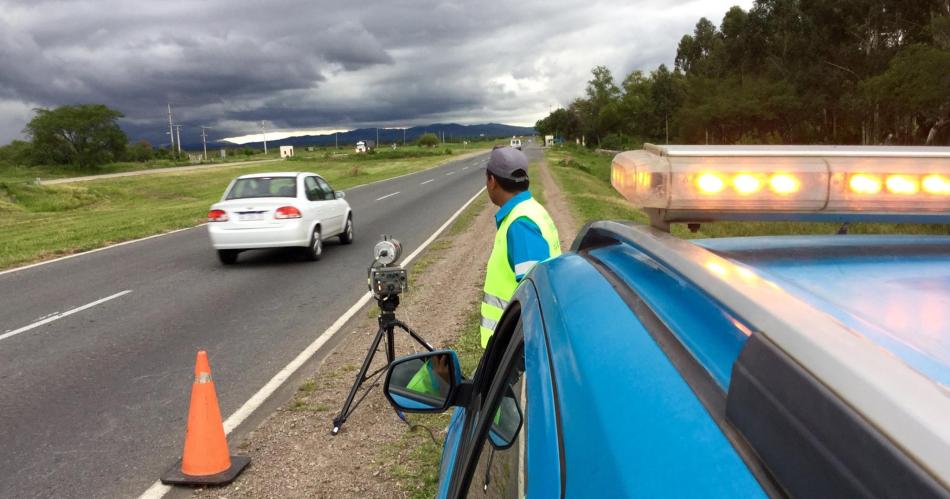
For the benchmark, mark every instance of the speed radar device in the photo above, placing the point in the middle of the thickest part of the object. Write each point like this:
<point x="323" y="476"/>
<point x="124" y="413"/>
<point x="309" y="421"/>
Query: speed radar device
<point x="387" y="280"/>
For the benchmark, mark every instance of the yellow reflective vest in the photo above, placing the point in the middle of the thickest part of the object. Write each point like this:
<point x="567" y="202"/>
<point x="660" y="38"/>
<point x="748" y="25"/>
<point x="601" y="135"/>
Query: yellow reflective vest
<point x="500" y="282"/>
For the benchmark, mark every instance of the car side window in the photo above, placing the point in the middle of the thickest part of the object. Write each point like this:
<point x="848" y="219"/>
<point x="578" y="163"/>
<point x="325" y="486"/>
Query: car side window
<point x="314" y="192"/>
<point x="501" y="472"/>
<point x="325" y="187"/>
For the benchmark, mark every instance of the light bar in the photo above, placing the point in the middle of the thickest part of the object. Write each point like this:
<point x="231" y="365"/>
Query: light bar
<point x="712" y="182"/>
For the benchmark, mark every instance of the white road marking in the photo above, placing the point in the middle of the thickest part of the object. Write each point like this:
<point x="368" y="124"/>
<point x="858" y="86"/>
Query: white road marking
<point x="387" y="196"/>
<point x="413" y="173"/>
<point x="427" y="181"/>
<point x="450" y="173"/>
<point x="74" y="255"/>
<point x="158" y="489"/>
<point x="67" y="313"/>
<point x="465" y="168"/>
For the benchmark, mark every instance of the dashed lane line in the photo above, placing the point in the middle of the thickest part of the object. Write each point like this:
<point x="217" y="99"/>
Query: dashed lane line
<point x="388" y="196"/>
<point x="56" y="317"/>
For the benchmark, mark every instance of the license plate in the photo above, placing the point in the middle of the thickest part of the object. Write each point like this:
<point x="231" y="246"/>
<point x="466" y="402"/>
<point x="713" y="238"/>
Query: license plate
<point x="250" y="217"/>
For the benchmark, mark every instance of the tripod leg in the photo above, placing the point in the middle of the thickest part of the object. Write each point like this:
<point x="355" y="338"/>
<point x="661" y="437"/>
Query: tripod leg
<point x="390" y="345"/>
<point x="415" y="335"/>
<point x="360" y="378"/>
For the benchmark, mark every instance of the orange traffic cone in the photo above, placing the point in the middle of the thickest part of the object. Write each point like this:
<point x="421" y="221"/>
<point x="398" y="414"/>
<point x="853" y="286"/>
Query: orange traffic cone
<point x="205" y="460"/>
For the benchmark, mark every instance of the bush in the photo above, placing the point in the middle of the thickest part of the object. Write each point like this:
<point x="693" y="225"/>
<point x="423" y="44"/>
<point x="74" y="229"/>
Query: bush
<point x="141" y="151"/>
<point x="17" y="153"/>
<point x="447" y="151"/>
<point x="612" y="142"/>
<point x="570" y="162"/>
<point x="428" y="140"/>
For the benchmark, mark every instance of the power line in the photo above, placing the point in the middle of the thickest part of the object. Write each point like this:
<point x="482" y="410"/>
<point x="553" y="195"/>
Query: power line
<point x="264" y="134"/>
<point x="171" y="134"/>
<point x="204" y="140"/>
<point x="178" y="137"/>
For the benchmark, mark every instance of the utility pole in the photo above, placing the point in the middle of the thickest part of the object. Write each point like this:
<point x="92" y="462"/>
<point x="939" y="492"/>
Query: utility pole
<point x="204" y="140"/>
<point x="336" y="140"/>
<point x="404" y="136"/>
<point x="178" y="137"/>
<point x="171" y="133"/>
<point x="264" y="134"/>
<point x="377" y="136"/>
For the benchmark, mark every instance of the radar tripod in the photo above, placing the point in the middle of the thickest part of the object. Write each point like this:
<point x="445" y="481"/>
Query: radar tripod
<point x="387" y="324"/>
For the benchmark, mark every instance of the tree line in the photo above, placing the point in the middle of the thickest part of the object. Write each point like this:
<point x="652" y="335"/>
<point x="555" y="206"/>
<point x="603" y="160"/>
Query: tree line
<point x="784" y="72"/>
<point x="84" y="136"/>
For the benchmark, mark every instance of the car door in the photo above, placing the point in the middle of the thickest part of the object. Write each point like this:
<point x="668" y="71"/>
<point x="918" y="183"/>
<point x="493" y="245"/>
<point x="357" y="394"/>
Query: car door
<point x="515" y="365"/>
<point x="337" y="208"/>
<point x="317" y="205"/>
<point x="478" y="469"/>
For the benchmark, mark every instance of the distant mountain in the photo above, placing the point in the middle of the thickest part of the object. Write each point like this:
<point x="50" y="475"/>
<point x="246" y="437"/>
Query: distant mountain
<point x="453" y="131"/>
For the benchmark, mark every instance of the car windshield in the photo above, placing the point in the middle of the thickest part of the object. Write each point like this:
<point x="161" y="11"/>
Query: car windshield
<point x="263" y="187"/>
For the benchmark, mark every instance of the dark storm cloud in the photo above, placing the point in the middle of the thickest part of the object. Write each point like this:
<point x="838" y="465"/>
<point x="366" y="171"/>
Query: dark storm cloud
<point x="313" y="64"/>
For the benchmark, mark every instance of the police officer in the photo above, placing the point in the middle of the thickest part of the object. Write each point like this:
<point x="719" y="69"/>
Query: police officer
<point x="525" y="234"/>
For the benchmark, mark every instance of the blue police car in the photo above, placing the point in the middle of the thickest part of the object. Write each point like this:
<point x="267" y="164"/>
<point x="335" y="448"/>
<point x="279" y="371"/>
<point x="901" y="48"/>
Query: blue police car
<point x="643" y="365"/>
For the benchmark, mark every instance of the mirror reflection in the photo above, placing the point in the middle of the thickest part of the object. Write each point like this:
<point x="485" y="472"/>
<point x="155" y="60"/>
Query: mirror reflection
<point x="421" y="383"/>
<point x="507" y="422"/>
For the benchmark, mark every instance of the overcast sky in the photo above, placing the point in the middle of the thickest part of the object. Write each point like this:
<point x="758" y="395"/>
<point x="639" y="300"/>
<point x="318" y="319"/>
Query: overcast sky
<point x="316" y="65"/>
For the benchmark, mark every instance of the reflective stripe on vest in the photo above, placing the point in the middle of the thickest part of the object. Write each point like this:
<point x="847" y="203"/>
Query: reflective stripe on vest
<point x="500" y="282"/>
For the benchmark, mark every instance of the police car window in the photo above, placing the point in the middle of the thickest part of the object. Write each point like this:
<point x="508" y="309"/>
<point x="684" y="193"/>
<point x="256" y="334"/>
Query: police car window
<point x="500" y="473"/>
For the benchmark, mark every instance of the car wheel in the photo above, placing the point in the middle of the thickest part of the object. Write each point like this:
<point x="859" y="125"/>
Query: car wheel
<point x="347" y="236"/>
<point x="315" y="250"/>
<point x="228" y="257"/>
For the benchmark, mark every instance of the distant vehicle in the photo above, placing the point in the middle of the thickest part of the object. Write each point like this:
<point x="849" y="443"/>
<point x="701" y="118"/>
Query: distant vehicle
<point x="365" y="145"/>
<point x="516" y="143"/>
<point x="275" y="210"/>
<point x="640" y="364"/>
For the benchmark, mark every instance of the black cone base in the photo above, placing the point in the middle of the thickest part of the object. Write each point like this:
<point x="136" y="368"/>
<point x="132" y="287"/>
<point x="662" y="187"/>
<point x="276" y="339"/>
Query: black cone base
<point x="174" y="476"/>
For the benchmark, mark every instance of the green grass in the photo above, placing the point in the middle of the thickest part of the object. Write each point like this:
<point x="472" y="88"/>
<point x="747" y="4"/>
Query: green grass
<point x="584" y="177"/>
<point x="38" y="222"/>
<point x="537" y="187"/>
<point x="16" y="174"/>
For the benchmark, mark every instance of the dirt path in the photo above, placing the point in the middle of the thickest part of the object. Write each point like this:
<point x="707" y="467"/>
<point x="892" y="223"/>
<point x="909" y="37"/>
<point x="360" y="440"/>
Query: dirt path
<point x="557" y="207"/>
<point x="292" y="452"/>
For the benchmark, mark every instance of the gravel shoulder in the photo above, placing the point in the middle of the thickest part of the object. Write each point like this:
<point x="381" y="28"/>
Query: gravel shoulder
<point x="292" y="452"/>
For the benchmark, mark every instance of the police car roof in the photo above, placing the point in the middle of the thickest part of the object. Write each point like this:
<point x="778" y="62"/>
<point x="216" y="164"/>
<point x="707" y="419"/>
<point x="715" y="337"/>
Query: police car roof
<point x="866" y="316"/>
<point x="893" y="290"/>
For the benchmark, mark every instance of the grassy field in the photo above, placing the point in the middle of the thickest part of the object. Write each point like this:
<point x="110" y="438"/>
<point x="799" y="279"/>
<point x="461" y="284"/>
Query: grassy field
<point x="39" y="222"/>
<point x="584" y="176"/>
<point x="19" y="174"/>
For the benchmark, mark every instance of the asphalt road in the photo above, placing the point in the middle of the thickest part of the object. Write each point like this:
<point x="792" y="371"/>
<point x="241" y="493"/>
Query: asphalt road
<point x="94" y="403"/>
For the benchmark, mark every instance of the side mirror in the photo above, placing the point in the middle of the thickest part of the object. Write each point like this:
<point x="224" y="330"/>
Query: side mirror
<point x="507" y="422"/>
<point x="423" y="382"/>
<point x="339" y="194"/>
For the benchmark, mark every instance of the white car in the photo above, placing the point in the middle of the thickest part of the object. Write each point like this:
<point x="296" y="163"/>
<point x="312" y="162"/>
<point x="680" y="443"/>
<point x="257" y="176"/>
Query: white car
<point x="276" y="210"/>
